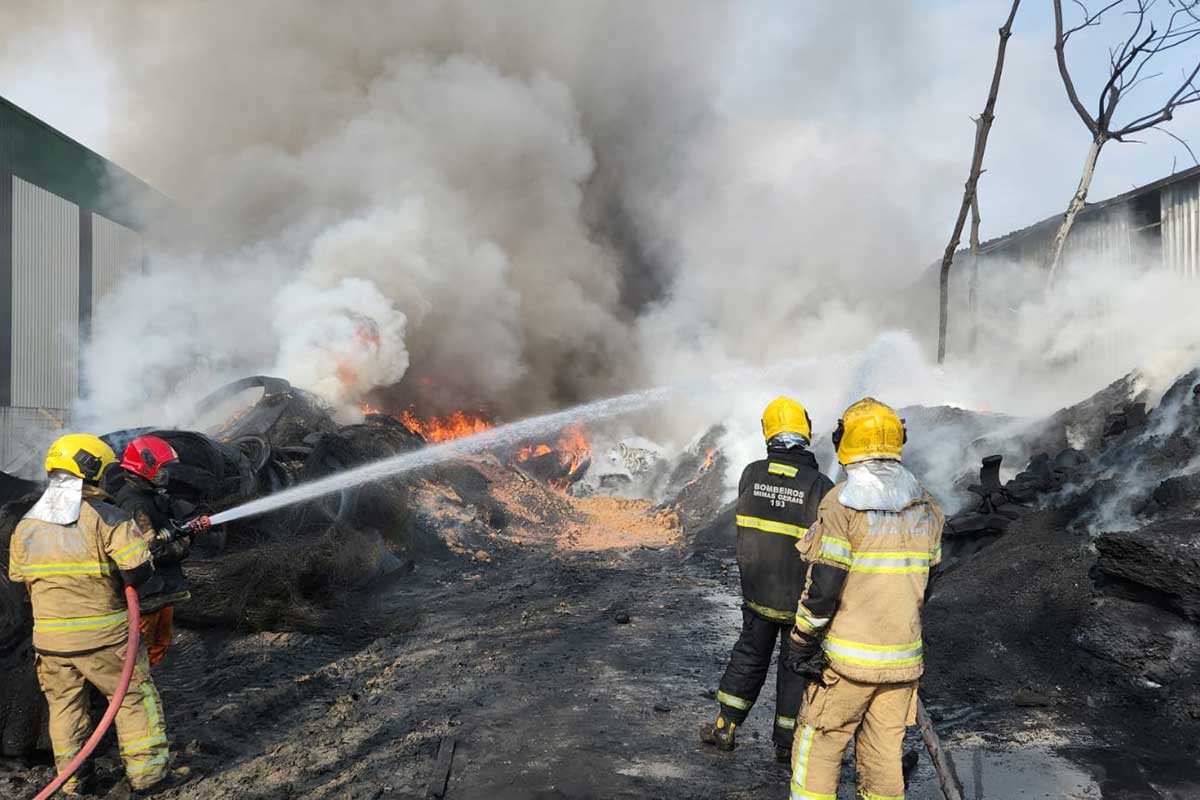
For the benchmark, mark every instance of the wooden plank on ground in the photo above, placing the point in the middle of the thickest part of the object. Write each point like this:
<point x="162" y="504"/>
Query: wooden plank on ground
<point x="441" y="769"/>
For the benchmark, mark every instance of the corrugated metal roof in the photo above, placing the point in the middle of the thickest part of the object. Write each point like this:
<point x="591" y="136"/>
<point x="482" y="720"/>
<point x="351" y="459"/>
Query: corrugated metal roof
<point x="1089" y="209"/>
<point x="44" y="156"/>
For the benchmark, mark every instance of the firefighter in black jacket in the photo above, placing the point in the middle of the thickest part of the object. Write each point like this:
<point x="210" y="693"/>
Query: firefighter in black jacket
<point x="139" y="488"/>
<point x="778" y="499"/>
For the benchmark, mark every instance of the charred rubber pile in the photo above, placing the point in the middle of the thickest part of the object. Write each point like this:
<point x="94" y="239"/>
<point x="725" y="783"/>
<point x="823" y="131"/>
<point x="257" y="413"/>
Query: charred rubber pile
<point x="1076" y="583"/>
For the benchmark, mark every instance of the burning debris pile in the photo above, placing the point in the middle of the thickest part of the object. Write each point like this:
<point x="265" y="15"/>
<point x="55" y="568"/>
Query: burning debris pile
<point x="313" y="566"/>
<point x="1076" y="581"/>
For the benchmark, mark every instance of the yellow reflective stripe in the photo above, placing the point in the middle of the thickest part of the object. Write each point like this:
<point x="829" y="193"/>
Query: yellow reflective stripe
<point x="937" y="554"/>
<point x="787" y="723"/>
<point x="733" y="701"/>
<point x="128" y="550"/>
<point x="800" y="794"/>
<point x="837" y="550"/>
<point x="905" y="570"/>
<point x="872" y="796"/>
<point x="893" y="562"/>
<point x="80" y="623"/>
<point x="66" y="753"/>
<point x="770" y="613"/>
<point x="771" y="526"/>
<point x="142" y="766"/>
<point x="782" y="469"/>
<point x="800" y="774"/>
<point x="873" y="655"/>
<point x="147" y="689"/>
<point x="144" y="744"/>
<point x="68" y="568"/>
<point x="805" y="618"/>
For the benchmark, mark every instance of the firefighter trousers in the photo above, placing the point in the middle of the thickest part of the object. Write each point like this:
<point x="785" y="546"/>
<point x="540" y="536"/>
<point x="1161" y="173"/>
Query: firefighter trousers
<point x="141" y="733"/>
<point x="747" y="672"/>
<point x="875" y="715"/>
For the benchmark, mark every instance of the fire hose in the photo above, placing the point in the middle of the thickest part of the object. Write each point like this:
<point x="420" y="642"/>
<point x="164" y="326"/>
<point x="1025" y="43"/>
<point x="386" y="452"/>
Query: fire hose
<point x="131" y="652"/>
<point x="197" y="525"/>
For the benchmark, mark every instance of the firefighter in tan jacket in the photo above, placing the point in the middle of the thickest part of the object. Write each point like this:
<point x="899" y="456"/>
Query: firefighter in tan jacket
<point x="75" y="551"/>
<point x="858" y="624"/>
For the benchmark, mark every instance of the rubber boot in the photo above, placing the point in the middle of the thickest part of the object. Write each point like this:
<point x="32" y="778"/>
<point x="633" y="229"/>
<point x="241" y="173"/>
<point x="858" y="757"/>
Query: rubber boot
<point x="176" y="777"/>
<point x="719" y="733"/>
<point x="82" y="783"/>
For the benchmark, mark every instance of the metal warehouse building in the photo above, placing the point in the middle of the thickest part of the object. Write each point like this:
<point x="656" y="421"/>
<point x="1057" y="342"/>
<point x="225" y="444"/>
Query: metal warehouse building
<point x="67" y="233"/>
<point x="1161" y="218"/>
<point x="1156" y="226"/>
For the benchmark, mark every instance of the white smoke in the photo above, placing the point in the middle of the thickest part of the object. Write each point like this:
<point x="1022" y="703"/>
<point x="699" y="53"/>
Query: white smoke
<point x="516" y="205"/>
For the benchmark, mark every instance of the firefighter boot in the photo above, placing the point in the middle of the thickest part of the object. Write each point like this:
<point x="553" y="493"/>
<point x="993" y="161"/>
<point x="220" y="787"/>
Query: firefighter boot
<point x="719" y="733"/>
<point x="174" y="778"/>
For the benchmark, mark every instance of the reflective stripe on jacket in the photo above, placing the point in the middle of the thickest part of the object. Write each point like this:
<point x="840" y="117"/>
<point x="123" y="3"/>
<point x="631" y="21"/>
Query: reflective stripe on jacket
<point x="866" y="587"/>
<point x="72" y="572"/>
<point x="778" y="499"/>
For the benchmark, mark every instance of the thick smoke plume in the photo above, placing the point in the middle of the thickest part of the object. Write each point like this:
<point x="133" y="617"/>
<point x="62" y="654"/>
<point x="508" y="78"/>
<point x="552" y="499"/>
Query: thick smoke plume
<point x="509" y="206"/>
<point x="517" y="205"/>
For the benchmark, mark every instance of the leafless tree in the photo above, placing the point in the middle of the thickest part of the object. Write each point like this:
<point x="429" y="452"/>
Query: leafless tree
<point x="983" y="126"/>
<point x="973" y="290"/>
<point x="1127" y="70"/>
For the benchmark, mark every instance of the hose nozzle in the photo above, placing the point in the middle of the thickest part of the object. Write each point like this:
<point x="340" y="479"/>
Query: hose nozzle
<point x="197" y="525"/>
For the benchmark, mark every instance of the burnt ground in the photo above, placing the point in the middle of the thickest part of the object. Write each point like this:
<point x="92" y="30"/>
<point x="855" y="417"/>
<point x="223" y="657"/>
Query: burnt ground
<point x="518" y="653"/>
<point x="512" y="647"/>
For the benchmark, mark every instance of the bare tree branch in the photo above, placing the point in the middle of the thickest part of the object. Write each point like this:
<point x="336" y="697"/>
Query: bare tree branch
<point x="1127" y="62"/>
<point x="1089" y="19"/>
<point x="983" y="126"/>
<point x="1182" y="141"/>
<point x="1186" y="94"/>
<point x="1060" y="45"/>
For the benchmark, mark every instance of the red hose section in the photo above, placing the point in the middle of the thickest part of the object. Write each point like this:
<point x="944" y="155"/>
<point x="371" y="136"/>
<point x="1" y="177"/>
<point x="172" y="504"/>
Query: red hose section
<point x="131" y="652"/>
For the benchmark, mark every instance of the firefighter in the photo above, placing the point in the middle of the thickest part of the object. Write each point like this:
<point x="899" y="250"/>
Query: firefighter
<point x="139" y="487"/>
<point x="74" y="550"/>
<point x="858" y="625"/>
<point x="778" y="498"/>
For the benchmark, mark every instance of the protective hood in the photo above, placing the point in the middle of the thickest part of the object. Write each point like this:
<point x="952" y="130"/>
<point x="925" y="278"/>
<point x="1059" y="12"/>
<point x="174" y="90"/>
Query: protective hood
<point x="787" y="441"/>
<point x="880" y="486"/>
<point x="61" y="501"/>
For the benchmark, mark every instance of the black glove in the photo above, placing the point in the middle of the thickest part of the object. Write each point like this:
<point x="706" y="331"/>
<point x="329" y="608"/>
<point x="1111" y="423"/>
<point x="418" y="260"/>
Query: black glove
<point x="804" y="656"/>
<point x="169" y="545"/>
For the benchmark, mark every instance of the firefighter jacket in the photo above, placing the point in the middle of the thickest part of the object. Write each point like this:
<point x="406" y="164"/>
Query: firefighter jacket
<point x="70" y="550"/>
<point x="777" y="501"/>
<point x="871" y="550"/>
<point x="153" y="511"/>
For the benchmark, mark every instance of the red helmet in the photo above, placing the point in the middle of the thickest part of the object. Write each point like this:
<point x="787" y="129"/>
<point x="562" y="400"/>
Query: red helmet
<point x="145" y="455"/>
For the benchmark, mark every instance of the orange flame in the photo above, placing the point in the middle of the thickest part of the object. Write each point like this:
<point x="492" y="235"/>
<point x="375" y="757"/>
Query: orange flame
<point x="451" y="426"/>
<point x="533" y="451"/>
<point x="573" y="450"/>
<point x="574" y="444"/>
<point x="709" y="458"/>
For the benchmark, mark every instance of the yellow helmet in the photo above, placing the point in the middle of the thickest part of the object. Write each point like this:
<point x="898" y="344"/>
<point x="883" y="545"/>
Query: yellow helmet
<point x="785" y="415"/>
<point x="869" y="430"/>
<point x="80" y="454"/>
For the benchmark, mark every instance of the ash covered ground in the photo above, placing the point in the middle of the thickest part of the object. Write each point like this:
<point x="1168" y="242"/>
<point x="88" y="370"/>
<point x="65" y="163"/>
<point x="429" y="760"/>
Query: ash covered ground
<point x="472" y="632"/>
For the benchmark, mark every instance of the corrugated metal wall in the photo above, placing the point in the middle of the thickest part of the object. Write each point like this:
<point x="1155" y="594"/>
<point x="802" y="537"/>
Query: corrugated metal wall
<point x="1181" y="228"/>
<point x="1101" y="240"/>
<point x="45" y="291"/>
<point x="116" y="251"/>
<point x="25" y="433"/>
